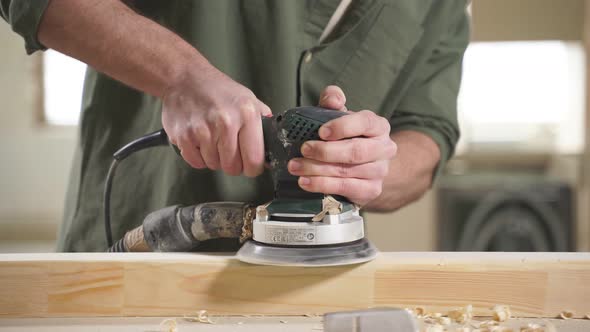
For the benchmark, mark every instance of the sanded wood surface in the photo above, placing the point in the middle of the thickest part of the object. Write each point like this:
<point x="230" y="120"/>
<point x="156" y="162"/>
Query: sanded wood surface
<point x="156" y="284"/>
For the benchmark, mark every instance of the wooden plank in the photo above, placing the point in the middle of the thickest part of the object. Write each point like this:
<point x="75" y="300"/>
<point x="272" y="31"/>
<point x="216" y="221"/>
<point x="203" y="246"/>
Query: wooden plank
<point x="157" y="284"/>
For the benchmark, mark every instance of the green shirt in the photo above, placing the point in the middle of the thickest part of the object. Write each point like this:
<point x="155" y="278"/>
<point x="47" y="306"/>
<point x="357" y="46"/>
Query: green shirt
<point x="400" y="59"/>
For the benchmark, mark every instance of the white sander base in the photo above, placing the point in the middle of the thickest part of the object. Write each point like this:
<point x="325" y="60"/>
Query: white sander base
<point x="312" y="256"/>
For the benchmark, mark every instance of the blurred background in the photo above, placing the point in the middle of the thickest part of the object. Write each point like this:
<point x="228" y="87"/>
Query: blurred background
<point x="519" y="182"/>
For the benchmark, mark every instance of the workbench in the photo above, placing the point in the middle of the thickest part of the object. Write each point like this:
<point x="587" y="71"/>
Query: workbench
<point x="135" y="291"/>
<point x="221" y="324"/>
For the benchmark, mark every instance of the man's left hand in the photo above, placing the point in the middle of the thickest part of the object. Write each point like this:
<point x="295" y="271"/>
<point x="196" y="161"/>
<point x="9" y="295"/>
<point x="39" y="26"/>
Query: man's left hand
<point x="353" y="160"/>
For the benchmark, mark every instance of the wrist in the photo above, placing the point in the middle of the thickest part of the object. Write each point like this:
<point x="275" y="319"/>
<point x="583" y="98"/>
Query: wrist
<point x="187" y="72"/>
<point x="410" y="172"/>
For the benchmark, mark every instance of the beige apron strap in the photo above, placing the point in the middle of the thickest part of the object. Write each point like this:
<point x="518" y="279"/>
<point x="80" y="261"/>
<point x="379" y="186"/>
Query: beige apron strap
<point x="336" y="17"/>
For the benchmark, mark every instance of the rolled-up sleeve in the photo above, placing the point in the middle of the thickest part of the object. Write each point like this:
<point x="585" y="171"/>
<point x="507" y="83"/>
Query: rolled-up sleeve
<point x="430" y="105"/>
<point x="24" y="17"/>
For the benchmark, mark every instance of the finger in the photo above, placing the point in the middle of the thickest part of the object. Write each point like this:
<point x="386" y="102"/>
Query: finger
<point x="363" y="123"/>
<point x="251" y="143"/>
<point x="229" y="153"/>
<point x="310" y="167"/>
<point x="359" y="191"/>
<point x="208" y="148"/>
<point x="333" y="97"/>
<point x="192" y="155"/>
<point x="349" y="151"/>
<point x="264" y="110"/>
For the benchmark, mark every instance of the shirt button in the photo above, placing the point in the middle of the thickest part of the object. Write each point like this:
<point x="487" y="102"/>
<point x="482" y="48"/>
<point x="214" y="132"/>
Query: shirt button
<point x="308" y="57"/>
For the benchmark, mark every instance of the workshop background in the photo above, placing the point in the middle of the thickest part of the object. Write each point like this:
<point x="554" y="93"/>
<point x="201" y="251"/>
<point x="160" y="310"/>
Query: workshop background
<point x="520" y="180"/>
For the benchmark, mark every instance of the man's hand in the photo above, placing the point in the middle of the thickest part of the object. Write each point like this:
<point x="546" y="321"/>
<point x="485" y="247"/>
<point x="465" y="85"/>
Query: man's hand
<point x="215" y="122"/>
<point x="353" y="160"/>
<point x="212" y="119"/>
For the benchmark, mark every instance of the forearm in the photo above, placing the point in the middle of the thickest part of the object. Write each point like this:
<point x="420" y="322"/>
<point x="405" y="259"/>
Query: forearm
<point x="113" y="39"/>
<point x="410" y="172"/>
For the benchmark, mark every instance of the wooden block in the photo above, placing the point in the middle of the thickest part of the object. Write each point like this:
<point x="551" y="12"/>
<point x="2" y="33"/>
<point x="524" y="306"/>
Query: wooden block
<point x="158" y="284"/>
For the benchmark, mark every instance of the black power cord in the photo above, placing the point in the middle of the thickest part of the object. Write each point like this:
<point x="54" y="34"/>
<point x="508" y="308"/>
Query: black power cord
<point x="157" y="138"/>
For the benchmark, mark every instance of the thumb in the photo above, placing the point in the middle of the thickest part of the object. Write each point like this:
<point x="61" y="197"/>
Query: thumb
<point x="333" y="97"/>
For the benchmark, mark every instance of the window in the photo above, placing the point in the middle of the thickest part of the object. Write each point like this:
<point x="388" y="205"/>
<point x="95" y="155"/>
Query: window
<point x="523" y="96"/>
<point x="62" y="88"/>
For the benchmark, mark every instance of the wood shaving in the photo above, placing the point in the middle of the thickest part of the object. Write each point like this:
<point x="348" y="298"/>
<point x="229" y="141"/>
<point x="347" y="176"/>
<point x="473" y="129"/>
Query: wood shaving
<point x="532" y="327"/>
<point x="419" y="312"/>
<point x="587" y="316"/>
<point x="487" y="324"/>
<point x="202" y="317"/>
<point x="444" y="321"/>
<point x="566" y="314"/>
<point x="461" y="315"/>
<point x="330" y="205"/>
<point x="501" y="313"/>
<point x="283" y="321"/>
<point x="170" y="324"/>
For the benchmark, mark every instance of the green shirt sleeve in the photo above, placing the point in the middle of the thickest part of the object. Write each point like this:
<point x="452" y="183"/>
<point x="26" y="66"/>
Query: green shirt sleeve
<point x="24" y="17"/>
<point x="430" y="105"/>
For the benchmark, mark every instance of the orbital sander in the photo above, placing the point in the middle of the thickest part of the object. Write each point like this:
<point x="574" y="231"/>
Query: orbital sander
<point x="297" y="228"/>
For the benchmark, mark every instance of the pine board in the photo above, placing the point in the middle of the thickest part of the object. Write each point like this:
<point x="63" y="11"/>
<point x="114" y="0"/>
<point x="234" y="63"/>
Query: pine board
<point x="158" y="284"/>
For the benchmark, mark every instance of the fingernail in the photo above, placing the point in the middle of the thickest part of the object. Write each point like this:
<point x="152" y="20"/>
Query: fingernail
<point x="325" y="132"/>
<point x="295" y="165"/>
<point x="304" y="181"/>
<point x="333" y="100"/>
<point x="305" y="149"/>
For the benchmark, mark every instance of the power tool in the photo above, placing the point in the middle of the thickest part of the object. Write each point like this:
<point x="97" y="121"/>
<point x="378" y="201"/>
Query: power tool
<point x="297" y="228"/>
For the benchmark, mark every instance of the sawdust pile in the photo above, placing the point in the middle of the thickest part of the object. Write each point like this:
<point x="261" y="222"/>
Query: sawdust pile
<point x="461" y="320"/>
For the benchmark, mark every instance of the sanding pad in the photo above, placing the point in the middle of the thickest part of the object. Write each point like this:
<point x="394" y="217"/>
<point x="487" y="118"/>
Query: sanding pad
<point x="342" y="254"/>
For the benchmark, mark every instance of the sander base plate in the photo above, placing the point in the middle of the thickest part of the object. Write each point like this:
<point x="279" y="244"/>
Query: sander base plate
<point x="333" y="255"/>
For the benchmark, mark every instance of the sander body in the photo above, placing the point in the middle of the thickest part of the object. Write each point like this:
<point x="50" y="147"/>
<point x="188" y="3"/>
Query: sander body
<point x="297" y="228"/>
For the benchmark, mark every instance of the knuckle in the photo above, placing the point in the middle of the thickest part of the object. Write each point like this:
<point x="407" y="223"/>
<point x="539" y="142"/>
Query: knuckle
<point x="224" y="121"/>
<point x="369" y="119"/>
<point x="184" y="138"/>
<point x="343" y="187"/>
<point x="342" y="171"/>
<point x="385" y="124"/>
<point x="202" y="136"/>
<point x="266" y="109"/>
<point x="382" y="169"/>
<point x="376" y="189"/>
<point x="357" y="152"/>
<point x="319" y="184"/>
<point x="394" y="149"/>
<point x="245" y="106"/>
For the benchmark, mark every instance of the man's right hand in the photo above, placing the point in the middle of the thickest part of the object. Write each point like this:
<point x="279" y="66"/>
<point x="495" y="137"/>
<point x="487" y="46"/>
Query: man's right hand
<point x="212" y="119"/>
<point x="215" y="122"/>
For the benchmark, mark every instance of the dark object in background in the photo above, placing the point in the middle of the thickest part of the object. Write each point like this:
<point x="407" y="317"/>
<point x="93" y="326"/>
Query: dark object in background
<point x="504" y="212"/>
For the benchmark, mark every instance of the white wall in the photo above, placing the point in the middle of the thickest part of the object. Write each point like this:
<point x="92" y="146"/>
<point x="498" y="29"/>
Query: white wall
<point x="35" y="158"/>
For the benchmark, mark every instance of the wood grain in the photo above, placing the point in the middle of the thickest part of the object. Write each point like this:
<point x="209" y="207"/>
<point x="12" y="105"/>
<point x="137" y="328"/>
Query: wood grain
<point x="157" y="284"/>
